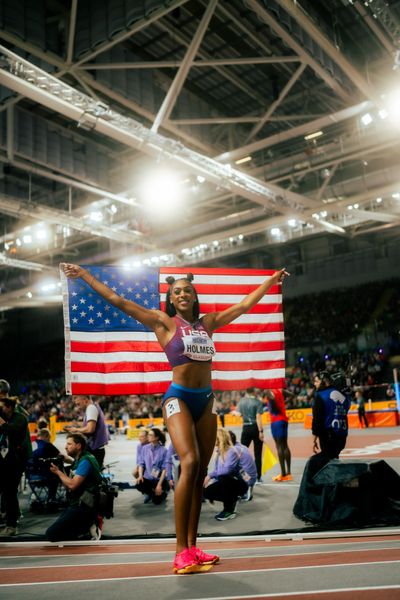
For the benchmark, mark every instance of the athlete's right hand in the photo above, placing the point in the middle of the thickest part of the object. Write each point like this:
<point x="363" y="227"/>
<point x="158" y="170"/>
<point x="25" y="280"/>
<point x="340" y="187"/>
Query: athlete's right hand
<point x="72" y="271"/>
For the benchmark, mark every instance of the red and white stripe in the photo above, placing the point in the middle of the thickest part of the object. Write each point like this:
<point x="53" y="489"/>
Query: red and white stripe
<point x="249" y="352"/>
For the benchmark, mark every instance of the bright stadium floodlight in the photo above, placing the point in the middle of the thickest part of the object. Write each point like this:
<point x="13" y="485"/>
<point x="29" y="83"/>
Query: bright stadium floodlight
<point x="96" y="216"/>
<point x="366" y="119"/>
<point x="161" y="192"/>
<point x="392" y="105"/>
<point x="48" y="286"/>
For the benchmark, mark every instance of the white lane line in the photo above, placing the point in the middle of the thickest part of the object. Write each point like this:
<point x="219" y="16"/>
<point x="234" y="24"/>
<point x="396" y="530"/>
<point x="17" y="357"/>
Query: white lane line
<point x="317" y="547"/>
<point x="171" y="555"/>
<point x="337" y="534"/>
<point x="305" y="593"/>
<point x="209" y="573"/>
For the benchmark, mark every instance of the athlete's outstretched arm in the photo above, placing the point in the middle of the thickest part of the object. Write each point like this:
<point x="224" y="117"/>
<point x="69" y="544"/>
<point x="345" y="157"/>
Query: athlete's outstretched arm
<point x="218" y="319"/>
<point x="150" y="318"/>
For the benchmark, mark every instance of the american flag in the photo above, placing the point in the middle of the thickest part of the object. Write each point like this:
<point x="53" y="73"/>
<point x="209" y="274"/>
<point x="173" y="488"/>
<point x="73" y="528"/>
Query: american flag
<point x="108" y="352"/>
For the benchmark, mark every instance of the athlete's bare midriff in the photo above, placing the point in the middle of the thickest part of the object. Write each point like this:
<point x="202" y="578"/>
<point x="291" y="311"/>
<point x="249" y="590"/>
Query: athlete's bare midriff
<point x="192" y="375"/>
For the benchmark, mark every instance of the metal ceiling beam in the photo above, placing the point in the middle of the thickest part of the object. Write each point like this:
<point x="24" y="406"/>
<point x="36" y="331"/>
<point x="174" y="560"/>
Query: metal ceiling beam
<point x="378" y="216"/>
<point x="215" y="121"/>
<point x="26" y="265"/>
<point x="22" y="297"/>
<point x="60" y="97"/>
<point x="262" y="225"/>
<point x="153" y="17"/>
<point x="340" y="155"/>
<point x="39" y="212"/>
<point x="282" y="95"/>
<point x="230" y="18"/>
<point x="212" y="62"/>
<point x="56" y="61"/>
<point x="184" y="68"/>
<point x="267" y="18"/>
<point x="371" y="22"/>
<point x="233" y="120"/>
<point x="327" y="180"/>
<point x="375" y="229"/>
<point x="225" y="72"/>
<point x="90" y="189"/>
<point x="294" y="10"/>
<point x="27" y="302"/>
<point x="10" y="132"/>
<point x="71" y="32"/>
<point x="146" y="114"/>
<point x="385" y="15"/>
<point x="304" y="129"/>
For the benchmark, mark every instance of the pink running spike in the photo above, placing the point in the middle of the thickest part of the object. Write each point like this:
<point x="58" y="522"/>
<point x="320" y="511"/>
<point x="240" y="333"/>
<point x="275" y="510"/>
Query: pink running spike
<point x="185" y="563"/>
<point x="203" y="558"/>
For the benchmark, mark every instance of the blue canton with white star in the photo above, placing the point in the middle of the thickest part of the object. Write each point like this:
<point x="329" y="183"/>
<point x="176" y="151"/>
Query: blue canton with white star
<point x="88" y="311"/>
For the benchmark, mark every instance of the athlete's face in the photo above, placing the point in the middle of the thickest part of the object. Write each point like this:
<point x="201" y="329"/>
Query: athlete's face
<point x="183" y="295"/>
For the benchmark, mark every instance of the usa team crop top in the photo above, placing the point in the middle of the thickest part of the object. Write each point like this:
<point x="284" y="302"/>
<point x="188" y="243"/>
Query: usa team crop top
<point x="190" y="343"/>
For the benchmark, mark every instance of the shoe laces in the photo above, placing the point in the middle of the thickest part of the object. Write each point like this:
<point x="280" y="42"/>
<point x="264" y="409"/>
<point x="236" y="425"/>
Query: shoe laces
<point x="185" y="558"/>
<point x="200" y="555"/>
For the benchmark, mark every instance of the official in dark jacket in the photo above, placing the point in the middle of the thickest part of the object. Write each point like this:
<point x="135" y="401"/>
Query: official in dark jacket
<point x="329" y="412"/>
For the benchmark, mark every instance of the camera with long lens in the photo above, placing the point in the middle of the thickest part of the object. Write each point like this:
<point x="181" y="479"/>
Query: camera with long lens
<point x="55" y="460"/>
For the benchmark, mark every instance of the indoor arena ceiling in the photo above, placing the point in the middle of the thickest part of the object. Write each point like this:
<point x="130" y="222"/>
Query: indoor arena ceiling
<point x="188" y="132"/>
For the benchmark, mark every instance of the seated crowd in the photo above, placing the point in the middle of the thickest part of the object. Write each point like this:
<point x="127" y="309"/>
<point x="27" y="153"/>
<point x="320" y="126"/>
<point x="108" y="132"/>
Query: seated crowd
<point x="342" y="316"/>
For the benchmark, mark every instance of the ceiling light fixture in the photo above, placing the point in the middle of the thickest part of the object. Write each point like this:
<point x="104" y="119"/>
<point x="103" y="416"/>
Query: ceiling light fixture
<point x="314" y="135"/>
<point x="245" y="159"/>
<point x="366" y="119"/>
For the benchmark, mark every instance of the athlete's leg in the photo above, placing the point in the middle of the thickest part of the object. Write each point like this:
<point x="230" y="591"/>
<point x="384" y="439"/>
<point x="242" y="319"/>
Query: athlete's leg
<point x="183" y="436"/>
<point x="206" y="433"/>
<point x="284" y="455"/>
<point x="280" y="448"/>
<point x="288" y="457"/>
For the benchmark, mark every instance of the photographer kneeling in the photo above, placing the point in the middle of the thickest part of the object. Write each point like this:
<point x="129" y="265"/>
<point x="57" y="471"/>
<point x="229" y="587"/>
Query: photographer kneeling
<point x="82" y="492"/>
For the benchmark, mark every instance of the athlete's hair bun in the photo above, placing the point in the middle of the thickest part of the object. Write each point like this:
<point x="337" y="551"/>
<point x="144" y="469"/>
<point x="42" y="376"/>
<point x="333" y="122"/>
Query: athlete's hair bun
<point x="170" y="279"/>
<point x="190" y="276"/>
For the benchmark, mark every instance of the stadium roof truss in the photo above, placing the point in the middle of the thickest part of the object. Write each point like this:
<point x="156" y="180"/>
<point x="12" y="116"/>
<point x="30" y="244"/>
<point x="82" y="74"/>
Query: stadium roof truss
<point x="273" y="113"/>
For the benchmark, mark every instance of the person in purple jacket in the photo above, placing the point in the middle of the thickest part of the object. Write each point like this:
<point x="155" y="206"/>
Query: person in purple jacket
<point x="225" y="483"/>
<point x="151" y="479"/>
<point x="173" y="466"/>
<point x="247" y="466"/>
<point x="188" y="404"/>
<point x="143" y="440"/>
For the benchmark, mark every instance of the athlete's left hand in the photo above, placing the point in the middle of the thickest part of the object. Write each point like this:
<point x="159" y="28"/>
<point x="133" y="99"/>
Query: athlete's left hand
<point x="280" y="275"/>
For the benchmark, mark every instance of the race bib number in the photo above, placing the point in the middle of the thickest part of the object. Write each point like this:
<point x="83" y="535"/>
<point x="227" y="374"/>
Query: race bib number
<point x="198" y="347"/>
<point x="172" y="407"/>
